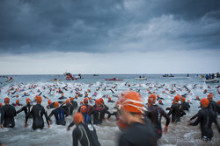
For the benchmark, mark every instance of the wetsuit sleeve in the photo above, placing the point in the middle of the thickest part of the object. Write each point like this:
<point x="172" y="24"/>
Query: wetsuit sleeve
<point x="216" y="123"/>
<point x="171" y="110"/>
<point x="76" y="135"/>
<point x="123" y="141"/>
<point x="28" y="114"/>
<point x="109" y="114"/>
<point x="199" y="116"/>
<point x="2" y="116"/>
<point x="165" y="116"/>
<point x="47" y="118"/>
<point x="194" y="116"/>
<point x="20" y="110"/>
<point x="51" y="114"/>
<point x="71" y="124"/>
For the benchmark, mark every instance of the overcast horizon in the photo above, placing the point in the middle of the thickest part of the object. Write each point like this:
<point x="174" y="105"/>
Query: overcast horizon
<point x="109" y="37"/>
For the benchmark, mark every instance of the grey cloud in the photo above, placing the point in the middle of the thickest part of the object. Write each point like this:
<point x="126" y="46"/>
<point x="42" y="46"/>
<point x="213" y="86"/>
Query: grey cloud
<point x="106" y="26"/>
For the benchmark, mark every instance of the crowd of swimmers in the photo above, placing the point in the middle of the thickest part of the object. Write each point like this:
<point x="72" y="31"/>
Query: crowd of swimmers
<point x="140" y="123"/>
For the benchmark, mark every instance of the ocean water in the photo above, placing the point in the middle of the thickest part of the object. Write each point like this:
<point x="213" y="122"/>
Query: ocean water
<point x="178" y="134"/>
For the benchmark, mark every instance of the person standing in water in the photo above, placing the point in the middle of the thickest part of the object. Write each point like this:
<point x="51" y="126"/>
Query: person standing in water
<point x="26" y="108"/>
<point x="83" y="134"/>
<point x="205" y="117"/>
<point x="8" y="114"/>
<point x="38" y="111"/>
<point x="155" y="114"/>
<point x="176" y="110"/>
<point x="59" y="114"/>
<point x="139" y="131"/>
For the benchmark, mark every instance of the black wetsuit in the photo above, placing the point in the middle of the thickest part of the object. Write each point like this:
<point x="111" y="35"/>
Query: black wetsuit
<point x="99" y="114"/>
<point x="68" y="109"/>
<point x="50" y="106"/>
<point x="206" y="117"/>
<point x="85" y="136"/>
<point x="177" y="112"/>
<point x="214" y="107"/>
<point x="185" y="106"/>
<point x="138" y="134"/>
<point x="74" y="104"/>
<point x="59" y="114"/>
<point x="26" y="109"/>
<point x="155" y="114"/>
<point x="38" y="111"/>
<point x="7" y="116"/>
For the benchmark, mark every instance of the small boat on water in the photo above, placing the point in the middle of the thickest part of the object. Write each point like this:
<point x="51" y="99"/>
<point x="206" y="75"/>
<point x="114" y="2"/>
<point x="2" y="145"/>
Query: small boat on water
<point x="143" y="78"/>
<point x="114" y="79"/>
<point x="166" y="75"/>
<point x="215" y="80"/>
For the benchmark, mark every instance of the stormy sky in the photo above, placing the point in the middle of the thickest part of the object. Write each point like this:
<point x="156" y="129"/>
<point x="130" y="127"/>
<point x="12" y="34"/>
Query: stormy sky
<point x="109" y="36"/>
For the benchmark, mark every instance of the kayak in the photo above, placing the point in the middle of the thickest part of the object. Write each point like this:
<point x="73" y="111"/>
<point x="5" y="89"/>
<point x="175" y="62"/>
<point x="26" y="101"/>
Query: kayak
<point x="216" y="80"/>
<point x="113" y="79"/>
<point x="140" y="78"/>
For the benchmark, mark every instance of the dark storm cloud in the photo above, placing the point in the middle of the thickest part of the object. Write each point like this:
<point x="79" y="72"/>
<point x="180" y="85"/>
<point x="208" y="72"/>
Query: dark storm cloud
<point x="106" y="25"/>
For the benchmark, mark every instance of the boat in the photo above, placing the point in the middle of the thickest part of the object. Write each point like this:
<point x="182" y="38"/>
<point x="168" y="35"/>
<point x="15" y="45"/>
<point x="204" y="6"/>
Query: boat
<point x="143" y="78"/>
<point x="114" y="79"/>
<point x="95" y="75"/>
<point x="215" y="80"/>
<point x="166" y="75"/>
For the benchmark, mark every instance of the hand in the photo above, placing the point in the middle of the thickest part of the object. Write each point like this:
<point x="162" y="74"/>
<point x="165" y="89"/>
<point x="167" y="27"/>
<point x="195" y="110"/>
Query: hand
<point x="165" y="129"/>
<point x="48" y="126"/>
<point x="107" y="120"/>
<point x="188" y="123"/>
<point x="2" y="126"/>
<point x="25" y="125"/>
<point x="68" y="128"/>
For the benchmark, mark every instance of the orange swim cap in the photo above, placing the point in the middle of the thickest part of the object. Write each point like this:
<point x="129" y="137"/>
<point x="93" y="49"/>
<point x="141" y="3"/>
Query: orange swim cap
<point x="39" y="99"/>
<point x="67" y="101"/>
<point x="28" y="100"/>
<point x="7" y="100"/>
<point x="160" y="101"/>
<point x="132" y="102"/>
<point x="17" y="101"/>
<point x="188" y="101"/>
<point x="62" y="94"/>
<point x="218" y="102"/>
<point x="153" y="96"/>
<point x="210" y="96"/>
<point x="101" y="100"/>
<point x="83" y="109"/>
<point x="204" y="102"/>
<point x="109" y="98"/>
<point x="97" y="102"/>
<point x="49" y="101"/>
<point x="177" y="97"/>
<point x="197" y="97"/>
<point x="183" y="99"/>
<point x="56" y="104"/>
<point x="78" y="118"/>
<point x="158" y="96"/>
<point x="76" y="96"/>
<point x="86" y="100"/>
<point x="71" y="98"/>
<point x="0" y="104"/>
<point x="163" y="92"/>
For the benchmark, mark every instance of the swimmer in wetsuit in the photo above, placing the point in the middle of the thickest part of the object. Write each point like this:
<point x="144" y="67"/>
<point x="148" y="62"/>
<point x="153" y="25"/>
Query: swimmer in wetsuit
<point x="8" y="114"/>
<point x="59" y="114"/>
<point x="38" y="111"/>
<point x="205" y="117"/>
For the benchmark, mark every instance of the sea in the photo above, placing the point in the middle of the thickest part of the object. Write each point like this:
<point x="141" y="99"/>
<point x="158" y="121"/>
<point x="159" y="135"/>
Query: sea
<point x="108" y="132"/>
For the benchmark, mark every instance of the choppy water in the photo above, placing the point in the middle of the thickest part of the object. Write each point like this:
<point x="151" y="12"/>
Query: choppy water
<point x="178" y="134"/>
